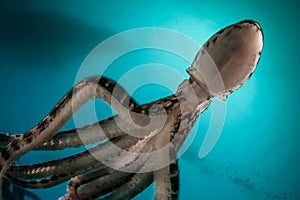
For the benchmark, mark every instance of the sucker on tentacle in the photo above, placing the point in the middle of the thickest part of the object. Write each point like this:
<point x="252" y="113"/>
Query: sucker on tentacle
<point x="225" y="62"/>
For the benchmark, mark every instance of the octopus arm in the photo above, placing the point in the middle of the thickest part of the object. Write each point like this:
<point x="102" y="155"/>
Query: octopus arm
<point x="167" y="179"/>
<point x="87" y="134"/>
<point x="133" y="187"/>
<point x="73" y="165"/>
<point x="90" y="88"/>
<point x="84" y="135"/>
<point x="105" y="181"/>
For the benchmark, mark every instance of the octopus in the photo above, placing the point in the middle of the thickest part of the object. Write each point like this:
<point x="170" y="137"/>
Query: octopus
<point x="122" y="165"/>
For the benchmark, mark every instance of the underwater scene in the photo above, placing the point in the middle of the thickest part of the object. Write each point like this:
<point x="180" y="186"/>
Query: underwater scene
<point x="247" y="147"/>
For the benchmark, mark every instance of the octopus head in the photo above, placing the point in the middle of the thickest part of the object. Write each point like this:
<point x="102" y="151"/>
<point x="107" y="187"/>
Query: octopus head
<point x="228" y="59"/>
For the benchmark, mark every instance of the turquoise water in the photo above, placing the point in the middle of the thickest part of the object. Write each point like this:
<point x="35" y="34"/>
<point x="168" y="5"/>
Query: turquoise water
<point x="43" y="43"/>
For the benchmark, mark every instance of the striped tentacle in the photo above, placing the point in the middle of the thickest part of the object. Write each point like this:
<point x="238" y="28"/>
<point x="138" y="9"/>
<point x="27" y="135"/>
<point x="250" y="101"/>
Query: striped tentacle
<point x="75" y="164"/>
<point x="167" y="179"/>
<point x="167" y="182"/>
<point x="97" y="183"/>
<point x="87" y="134"/>
<point x="80" y="180"/>
<point x="137" y="183"/>
<point x="133" y="187"/>
<point x="43" y="183"/>
<point x="90" y="88"/>
<point x="55" y="179"/>
<point x="106" y="183"/>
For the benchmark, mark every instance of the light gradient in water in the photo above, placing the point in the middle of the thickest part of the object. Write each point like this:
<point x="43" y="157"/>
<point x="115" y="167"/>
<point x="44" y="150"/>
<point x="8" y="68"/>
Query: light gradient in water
<point x="43" y="44"/>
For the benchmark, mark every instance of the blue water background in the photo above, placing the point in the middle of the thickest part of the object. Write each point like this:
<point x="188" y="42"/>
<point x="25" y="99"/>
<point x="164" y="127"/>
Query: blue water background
<point x="43" y="43"/>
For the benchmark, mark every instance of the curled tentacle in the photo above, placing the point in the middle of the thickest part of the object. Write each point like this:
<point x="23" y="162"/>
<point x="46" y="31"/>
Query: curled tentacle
<point x="105" y="181"/>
